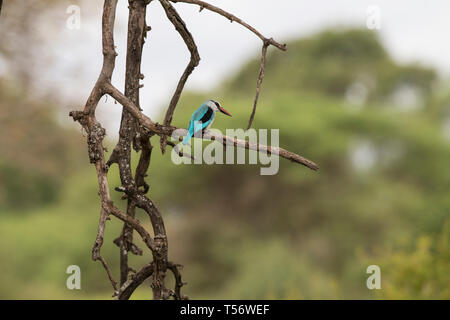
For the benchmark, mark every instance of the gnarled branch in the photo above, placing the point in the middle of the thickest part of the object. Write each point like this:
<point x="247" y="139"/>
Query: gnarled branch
<point x="96" y="133"/>
<point x="130" y="285"/>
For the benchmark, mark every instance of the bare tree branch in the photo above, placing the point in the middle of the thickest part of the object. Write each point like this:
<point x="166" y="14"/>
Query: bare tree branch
<point x="128" y="132"/>
<point x="239" y="143"/>
<point x="95" y="148"/>
<point x="98" y="244"/>
<point x="259" y="82"/>
<point x="143" y="119"/>
<point x="232" y="141"/>
<point x="95" y="137"/>
<point x="94" y="130"/>
<point x="128" y="287"/>
<point x="125" y="243"/>
<point x="180" y="26"/>
<point x="167" y="130"/>
<point x="144" y="162"/>
<point x="178" y="281"/>
<point x="233" y="18"/>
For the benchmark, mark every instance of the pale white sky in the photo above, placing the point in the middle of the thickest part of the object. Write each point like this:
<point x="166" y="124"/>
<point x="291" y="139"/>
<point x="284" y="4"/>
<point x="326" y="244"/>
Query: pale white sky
<point x="412" y="30"/>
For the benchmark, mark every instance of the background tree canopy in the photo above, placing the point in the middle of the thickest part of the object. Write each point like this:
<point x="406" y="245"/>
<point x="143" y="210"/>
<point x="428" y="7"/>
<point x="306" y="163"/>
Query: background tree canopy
<point x="376" y="128"/>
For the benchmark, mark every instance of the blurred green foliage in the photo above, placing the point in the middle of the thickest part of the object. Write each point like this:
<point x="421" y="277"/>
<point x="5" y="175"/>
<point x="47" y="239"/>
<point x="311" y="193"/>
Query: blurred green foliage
<point x="35" y="152"/>
<point x="330" y="62"/>
<point x="420" y="272"/>
<point x="380" y="196"/>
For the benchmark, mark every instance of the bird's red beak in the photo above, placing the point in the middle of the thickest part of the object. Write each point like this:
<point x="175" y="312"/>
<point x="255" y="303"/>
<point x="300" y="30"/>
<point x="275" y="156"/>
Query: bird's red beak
<point x="224" y="111"/>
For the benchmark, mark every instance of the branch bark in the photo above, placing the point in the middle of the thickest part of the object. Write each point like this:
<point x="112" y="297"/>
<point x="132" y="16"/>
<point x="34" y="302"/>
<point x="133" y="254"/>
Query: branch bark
<point x="128" y="132"/>
<point x="129" y="286"/>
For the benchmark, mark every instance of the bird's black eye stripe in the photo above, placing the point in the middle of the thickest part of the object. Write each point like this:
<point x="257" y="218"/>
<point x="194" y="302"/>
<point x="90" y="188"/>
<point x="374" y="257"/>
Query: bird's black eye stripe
<point x="217" y="104"/>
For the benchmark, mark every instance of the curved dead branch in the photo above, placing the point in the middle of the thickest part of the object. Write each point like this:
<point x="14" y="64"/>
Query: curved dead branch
<point x="132" y="284"/>
<point x="259" y="82"/>
<point x="178" y="280"/>
<point x="233" y="18"/>
<point x="180" y="26"/>
<point x="95" y="132"/>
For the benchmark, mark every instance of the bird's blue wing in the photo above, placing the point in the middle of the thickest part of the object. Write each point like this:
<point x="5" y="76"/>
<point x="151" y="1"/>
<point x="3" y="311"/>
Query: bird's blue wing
<point x="199" y="113"/>
<point x="190" y="132"/>
<point x="197" y="122"/>
<point x="201" y="118"/>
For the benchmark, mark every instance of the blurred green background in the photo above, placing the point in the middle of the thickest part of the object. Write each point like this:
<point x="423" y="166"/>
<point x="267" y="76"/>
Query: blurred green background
<point x="379" y="130"/>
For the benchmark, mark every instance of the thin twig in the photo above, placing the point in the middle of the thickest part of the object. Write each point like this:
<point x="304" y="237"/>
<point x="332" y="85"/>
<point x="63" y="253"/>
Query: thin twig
<point x="108" y="272"/>
<point x="94" y="130"/>
<point x="178" y="280"/>
<point x="259" y="82"/>
<point x="233" y="18"/>
<point x="104" y="216"/>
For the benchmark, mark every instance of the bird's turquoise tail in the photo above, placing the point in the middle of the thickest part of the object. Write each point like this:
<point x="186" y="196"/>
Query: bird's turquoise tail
<point x="187" y="138"/>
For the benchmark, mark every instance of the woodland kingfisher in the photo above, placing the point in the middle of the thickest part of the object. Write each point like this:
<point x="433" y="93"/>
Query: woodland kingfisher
<point x="203" y="117"/>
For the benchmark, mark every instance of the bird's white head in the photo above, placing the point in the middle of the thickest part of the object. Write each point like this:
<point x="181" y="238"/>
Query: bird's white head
<point x="216" y="107"/>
